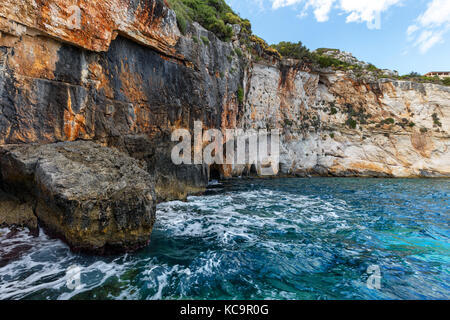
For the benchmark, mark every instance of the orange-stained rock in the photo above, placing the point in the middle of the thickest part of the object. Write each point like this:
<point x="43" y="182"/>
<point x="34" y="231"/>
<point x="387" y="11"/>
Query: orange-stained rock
<point x="94" y="24"/>
<point x="34" y="57"/>
<point x="126" y="78"/>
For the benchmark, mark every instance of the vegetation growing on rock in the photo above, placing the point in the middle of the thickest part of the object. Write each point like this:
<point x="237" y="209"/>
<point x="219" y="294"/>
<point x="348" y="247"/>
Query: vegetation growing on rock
<point x="205" y="40"/>
<point x="436" y="120"/>
<point x="217" y="17"/>
<point x="417" y="77"/>
<point x="293" y="50"/>
<point x="214" y="15"/>
<point x="328" y="58"/>
<point x="240" y="95"/>
<point x="388" y="121"/>
<point x="261" y="45"/>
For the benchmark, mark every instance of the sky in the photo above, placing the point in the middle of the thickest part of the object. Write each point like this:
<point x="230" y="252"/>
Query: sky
<point x="402" y="35"/>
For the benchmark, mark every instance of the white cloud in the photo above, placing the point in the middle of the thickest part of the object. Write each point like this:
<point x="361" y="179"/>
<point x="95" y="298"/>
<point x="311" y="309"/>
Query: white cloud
<point x="430" y="26"/>
<point x="356" y="10"/>
<point x="437" y="14"/>
<point x="322" y="9"/>
<point x="412" y="29"/>
<point x="284" y="3"/>
<point x="429" y="39"/>
<point x="365" y="10"/>
<point x="429" y="29"/>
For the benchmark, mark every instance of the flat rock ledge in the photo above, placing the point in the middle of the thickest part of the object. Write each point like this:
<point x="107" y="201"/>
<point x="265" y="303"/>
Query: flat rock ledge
<point x="95" y="198"/>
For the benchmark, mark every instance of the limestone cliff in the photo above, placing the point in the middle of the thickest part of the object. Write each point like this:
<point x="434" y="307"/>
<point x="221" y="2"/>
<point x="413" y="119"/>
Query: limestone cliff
<point x="336" y="125"/>
<point x="123" y="75"/>
<point x="124" y="79"/>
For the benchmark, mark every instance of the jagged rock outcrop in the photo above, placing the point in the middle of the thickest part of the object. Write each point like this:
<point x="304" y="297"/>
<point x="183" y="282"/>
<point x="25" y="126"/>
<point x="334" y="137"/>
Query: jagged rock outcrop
<point x="93" y="25"/>
<point x="349" y="59"/>
<point x="95" y="198"/>
<point x="336" y="125"/>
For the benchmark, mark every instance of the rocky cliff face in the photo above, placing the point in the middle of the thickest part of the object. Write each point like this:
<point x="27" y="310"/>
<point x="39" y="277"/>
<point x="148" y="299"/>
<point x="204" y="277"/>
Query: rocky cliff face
<point x="121" y="74"/>
<point x="336" y="125"/>
<point x="125" y="79"/>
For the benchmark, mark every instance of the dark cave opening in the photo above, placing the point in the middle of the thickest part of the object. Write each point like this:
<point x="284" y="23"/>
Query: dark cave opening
<point x="215" y="173"/>
<point x="253" y="171"/>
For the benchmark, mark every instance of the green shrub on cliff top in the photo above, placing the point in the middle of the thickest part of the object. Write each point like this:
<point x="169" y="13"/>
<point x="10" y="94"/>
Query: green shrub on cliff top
<point x="262" y="45"/>
<point x="326" y="61"/>
<point x="301" y="52"/>
<point x="217" y="17"/>
<point x="182" y="14"/>
<point x="417" y="77"/>
<point x="323" y="50"/>
<point x="292" y="50"/>
<point x="214" y="15"/>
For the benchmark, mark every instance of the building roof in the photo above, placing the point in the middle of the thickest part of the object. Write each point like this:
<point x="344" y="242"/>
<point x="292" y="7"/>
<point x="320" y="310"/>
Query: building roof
<point x="439" y="72"/>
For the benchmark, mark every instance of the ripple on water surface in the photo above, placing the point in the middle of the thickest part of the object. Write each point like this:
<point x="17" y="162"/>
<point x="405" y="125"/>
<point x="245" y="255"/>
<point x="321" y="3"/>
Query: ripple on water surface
<point x="275" y="239"/>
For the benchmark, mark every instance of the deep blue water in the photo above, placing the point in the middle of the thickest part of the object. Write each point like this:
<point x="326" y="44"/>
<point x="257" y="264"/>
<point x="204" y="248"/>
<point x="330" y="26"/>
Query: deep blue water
<point x="263" y="239"/>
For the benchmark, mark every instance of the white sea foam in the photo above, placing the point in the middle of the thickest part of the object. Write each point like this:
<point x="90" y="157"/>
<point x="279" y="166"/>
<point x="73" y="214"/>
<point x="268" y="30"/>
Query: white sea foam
<point x="249" y="219"/>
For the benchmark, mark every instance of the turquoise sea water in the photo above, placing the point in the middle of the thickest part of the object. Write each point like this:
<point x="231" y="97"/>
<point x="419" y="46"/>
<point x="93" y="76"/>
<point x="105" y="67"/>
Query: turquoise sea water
<point x="262" y="239"/>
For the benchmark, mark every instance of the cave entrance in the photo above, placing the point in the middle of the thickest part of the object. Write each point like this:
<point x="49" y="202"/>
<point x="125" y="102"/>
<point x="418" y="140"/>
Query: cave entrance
<point x="253" y="171"/>
<point x="215" y="173"/>
<point x="250" y="171"/>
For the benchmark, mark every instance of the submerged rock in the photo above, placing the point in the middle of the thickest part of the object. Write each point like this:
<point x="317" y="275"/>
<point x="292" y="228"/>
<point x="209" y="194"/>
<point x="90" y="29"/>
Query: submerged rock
<point x="95" y="198"/>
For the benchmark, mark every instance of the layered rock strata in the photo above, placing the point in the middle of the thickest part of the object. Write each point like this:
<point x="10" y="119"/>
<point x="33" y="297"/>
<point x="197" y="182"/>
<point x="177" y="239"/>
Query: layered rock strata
<point x="336" y="125"/>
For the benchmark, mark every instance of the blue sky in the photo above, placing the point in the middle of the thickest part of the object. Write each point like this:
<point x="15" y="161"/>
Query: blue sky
<point x="403" y="35"/>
